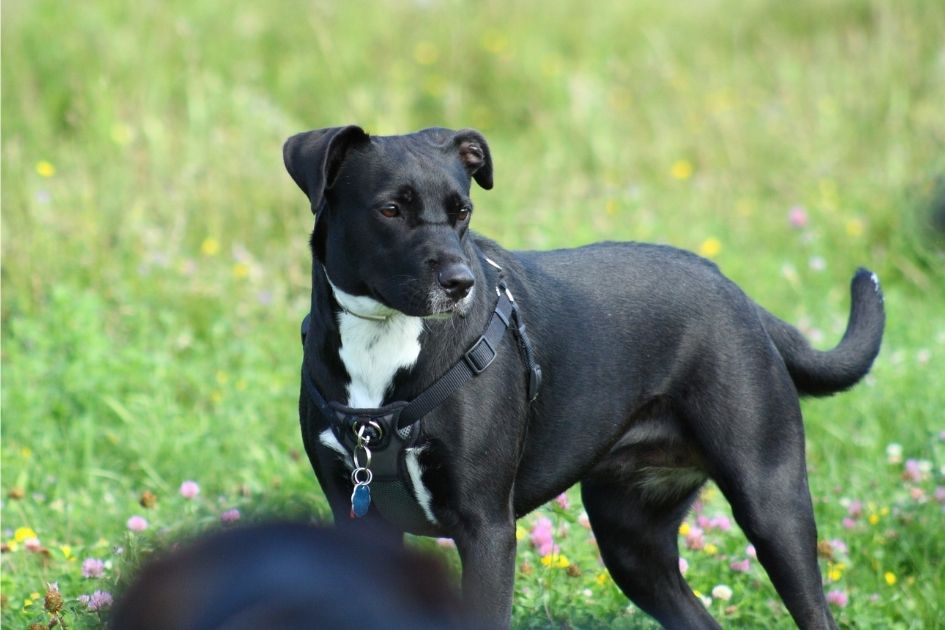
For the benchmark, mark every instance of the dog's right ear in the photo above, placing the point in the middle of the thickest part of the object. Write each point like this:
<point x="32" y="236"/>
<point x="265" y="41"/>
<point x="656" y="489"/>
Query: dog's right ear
<point x="313" y="158"/>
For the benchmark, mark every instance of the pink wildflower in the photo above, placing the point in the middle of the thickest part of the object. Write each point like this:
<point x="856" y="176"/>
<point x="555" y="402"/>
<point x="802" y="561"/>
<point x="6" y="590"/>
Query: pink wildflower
<point x="683" y="566"/>
<point x="848" y="523"/>
<point x="694" y="538"/>
<point x="751" y="552"/>
<point x="93" y="568"/>
<point x="797" y="217"/>
<point x="585" y="522"/>
<point x="703" y="521"/>
<point x="562" y="501"/>
<point x="838" y="546"/>
<point x="33" y="544"/>
<point x="838" y="598"/>
<point x="741" y="566"/>
<point x="230" y="516"/>
<point x="912" y="471"/>
<point x="855" y="509"/>
<point x="97" y="600"/>
<point x="542" y="536"/>
<point x="940" y="494"/>
<point x="137" y="523"/>
<point x="721" y="522"/>
<point x="189" y="489"/>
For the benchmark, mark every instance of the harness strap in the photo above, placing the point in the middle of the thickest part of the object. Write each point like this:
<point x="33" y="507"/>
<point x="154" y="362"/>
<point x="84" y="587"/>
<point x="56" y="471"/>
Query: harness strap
<point x="473" y="362"/>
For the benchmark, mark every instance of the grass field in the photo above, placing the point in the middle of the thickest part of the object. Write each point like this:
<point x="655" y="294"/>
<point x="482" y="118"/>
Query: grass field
<point x="155" y="264"/>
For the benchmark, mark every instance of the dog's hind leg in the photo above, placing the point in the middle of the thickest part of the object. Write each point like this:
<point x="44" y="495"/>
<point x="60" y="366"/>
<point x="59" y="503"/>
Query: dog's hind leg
<point x="750" y="435"/>
<point x="637" y="536"/>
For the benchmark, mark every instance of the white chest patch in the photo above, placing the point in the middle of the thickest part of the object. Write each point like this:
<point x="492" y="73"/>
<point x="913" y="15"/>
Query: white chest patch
<point x="372" y="351"/>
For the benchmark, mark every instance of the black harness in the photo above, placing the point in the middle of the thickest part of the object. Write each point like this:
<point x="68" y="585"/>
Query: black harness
<point x="392" y="429"/>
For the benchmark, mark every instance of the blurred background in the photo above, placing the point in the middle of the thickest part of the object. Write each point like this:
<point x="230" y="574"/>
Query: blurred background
<point x="155" y="263"/>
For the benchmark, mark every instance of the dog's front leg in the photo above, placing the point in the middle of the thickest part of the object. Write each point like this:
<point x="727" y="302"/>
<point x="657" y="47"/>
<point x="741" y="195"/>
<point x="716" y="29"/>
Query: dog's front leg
<point x="487" y="550"/>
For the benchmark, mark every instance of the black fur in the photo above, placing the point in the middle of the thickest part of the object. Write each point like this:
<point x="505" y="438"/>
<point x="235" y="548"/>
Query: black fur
<point x="659" y="373"/>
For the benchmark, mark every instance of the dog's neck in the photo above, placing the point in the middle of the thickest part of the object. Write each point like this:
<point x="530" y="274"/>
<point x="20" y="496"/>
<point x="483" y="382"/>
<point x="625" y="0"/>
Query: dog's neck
<point x="373" y="352"/>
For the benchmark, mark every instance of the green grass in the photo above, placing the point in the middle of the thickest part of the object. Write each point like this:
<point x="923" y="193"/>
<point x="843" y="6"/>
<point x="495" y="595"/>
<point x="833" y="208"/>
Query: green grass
<point x="155" y="264"/>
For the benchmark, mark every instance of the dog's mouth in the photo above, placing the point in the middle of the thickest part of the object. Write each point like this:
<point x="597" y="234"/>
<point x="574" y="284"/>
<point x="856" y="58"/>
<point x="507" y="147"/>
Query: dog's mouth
<point x="434" y="304"/>
<point x="442" y="306"/>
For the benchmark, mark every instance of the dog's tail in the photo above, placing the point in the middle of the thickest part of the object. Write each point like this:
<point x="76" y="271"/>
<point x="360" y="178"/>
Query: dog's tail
<point x="821" y="373"/>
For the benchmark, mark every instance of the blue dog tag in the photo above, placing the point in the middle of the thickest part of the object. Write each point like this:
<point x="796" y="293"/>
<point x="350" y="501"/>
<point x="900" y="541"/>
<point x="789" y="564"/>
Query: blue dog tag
<point x="360" y="501"/>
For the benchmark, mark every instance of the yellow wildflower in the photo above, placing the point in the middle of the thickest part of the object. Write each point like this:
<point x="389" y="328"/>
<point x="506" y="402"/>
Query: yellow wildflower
<point x="711" y="549"/>
<point x="210" y="246"/>
<point x="681" y="169"/>
<point x="45" y="169"/>
<point x="66" y="552"/>
<point x="558" y="560"/>
<point x="890" y="577"/>
<point x="684" y="528"/>
<point x="836" y="571"/>
<point x="520" y="533"/>
<point x="24" y="533"/>
<point x="240" y="270"/>
<point x="710" y="247"/>
<point x="873" y="518"/>
<point x="602" y="578"/>
<point x="855" y="227"/>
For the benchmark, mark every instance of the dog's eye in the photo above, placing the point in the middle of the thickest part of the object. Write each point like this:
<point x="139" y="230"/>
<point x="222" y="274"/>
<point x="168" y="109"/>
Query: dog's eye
<point x="390" y="210"/>
<point x="463" y="213"/>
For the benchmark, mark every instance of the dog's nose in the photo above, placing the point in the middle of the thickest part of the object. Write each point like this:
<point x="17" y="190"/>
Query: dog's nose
<point x="456" y="279"/>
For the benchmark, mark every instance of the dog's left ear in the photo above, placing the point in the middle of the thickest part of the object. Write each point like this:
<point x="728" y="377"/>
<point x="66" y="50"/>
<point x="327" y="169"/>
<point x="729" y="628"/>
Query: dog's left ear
<point x="474" y="154"/>
<point x="313" y="158"/>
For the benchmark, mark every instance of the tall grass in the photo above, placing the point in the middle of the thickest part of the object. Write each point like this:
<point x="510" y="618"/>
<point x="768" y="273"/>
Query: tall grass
<point x="155" y="263"/>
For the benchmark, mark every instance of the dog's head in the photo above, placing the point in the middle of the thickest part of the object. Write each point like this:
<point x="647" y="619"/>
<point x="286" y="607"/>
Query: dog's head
<point x="392" y="212"/>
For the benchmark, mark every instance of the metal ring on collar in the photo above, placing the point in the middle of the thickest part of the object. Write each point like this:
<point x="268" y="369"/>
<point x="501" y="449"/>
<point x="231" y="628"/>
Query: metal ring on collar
<point x="358" y="427"/>
<point x="367" y="456"/>
<point x="368" y="476"/>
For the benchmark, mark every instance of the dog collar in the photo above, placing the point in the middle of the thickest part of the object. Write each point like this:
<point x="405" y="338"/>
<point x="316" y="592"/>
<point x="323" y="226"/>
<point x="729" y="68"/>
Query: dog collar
<point x="345" y="309"/>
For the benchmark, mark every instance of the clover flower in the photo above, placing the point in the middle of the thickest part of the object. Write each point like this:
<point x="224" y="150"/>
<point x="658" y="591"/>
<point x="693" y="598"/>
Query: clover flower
<point x="542" y="536"/>
<point x="722" y="592"/>
<point x="189" y="489"/>
<point x="98" y="600"/>
<point x="93" y="568"/>
<point x="838" y="598"/>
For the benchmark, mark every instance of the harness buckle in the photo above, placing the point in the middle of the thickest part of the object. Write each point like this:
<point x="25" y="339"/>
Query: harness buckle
<point x="475" y="361"/>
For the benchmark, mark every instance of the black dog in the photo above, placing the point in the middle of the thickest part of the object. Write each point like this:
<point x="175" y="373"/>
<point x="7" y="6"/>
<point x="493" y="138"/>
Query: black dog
<point x="642" y="373"/>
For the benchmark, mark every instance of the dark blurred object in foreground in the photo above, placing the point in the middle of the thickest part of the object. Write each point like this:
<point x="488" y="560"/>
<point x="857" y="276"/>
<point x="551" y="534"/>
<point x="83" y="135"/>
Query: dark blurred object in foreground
<point x="290" y="576"/>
